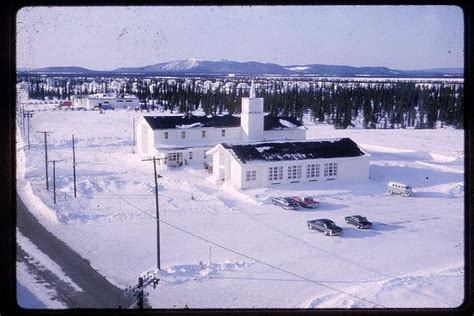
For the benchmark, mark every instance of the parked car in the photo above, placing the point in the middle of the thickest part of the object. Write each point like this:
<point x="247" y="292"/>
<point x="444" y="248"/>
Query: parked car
<point x="106" y="106"/>
<point x="358" y="221"/>
<point x="305" y="201"/>
<point x="285" y="202"/>
<point x="400" y="188"/>
<point x="328" y="227"/>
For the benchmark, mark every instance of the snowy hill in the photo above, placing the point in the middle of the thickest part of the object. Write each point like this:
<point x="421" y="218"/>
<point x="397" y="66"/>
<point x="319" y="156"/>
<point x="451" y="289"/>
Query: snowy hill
<point x="335" y="70"/>
<point x="209" y="67"/>
<point x="66" y="69"/>
<point x="224" y="67"/>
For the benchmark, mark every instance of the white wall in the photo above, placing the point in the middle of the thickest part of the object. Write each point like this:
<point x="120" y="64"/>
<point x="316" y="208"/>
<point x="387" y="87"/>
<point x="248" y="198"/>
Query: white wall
<point x="92" y="102"/>
<point x="350" y="169"/>
<point x="251" y="119"/>
<point x="142" y="125"/>
<point x="194" y="136"/>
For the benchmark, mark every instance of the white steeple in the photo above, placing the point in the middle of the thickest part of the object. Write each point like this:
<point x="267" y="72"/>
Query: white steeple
<point x="251" y="118"/>
<point x="252" y="90"/>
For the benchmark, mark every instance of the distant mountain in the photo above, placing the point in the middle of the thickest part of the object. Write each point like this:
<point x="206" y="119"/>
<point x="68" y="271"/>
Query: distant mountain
<point x="336" y="70"/>
<point x="66" y="69"/>
<point x="197" y="66"/>
<point x="225" y="67"/>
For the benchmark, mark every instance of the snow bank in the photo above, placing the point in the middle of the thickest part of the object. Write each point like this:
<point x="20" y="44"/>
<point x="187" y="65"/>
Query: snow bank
<point x="178" y="274"/>
<point x="438" y="289"/>
<point x="189" y="125"/>
<point x="287" y="124"/>
<point x="23" y="187"/>
<point x="34" y="203"/>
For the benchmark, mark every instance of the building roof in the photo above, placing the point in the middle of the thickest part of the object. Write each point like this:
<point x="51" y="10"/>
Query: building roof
<point x="281" y="151"/>
<point x="270" y="122"/>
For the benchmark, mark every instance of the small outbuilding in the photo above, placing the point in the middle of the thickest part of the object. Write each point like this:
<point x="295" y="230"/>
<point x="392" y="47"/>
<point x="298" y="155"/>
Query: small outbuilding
<point x="253" y="165"/>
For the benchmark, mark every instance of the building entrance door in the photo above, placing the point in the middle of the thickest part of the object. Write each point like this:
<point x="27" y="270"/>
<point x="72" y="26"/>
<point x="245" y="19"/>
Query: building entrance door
<point x="175" y="159"/>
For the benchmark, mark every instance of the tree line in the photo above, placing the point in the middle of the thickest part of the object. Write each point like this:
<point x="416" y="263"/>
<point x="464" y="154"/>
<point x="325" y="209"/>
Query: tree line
<point x="343" y="104"/>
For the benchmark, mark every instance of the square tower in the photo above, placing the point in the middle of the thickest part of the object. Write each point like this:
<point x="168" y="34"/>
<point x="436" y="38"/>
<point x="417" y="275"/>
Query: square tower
<point x="251" y="118"/>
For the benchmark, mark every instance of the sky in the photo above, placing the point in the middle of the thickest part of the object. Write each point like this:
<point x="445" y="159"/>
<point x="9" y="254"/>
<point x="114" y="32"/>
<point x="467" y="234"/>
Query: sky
<point x="106" y="38"/>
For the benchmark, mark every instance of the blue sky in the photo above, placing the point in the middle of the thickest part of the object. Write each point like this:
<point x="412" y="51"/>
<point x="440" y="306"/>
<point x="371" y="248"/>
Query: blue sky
<point x="105" y="38"/>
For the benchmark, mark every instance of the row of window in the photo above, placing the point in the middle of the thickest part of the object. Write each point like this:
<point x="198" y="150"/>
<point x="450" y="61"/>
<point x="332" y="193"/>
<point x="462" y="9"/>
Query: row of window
<point x="183" y="134"/>
<point x="295" y="172"/>
<point x="175" y="156"/>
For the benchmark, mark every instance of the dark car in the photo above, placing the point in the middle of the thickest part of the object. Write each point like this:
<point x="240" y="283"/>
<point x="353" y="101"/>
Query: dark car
<point x="286" y="203"/>
<point x="326" y="226"/>
<point x="358" y="221"/>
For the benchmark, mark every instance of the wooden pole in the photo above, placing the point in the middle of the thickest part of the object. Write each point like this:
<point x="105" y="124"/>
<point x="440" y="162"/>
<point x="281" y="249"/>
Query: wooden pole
<point x="54" y="180"/>
<point x="74" y="165"/>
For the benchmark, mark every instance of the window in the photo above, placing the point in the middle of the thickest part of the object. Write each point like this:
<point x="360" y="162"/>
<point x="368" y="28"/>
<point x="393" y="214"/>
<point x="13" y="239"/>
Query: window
<point x="190" y="155"/>
<point x="183" y="134"/>
<point x="294" y="172"/>
<point x="275" y="173"/>
<point x="128" y="100"/>
<point x="203" y="134"/>
<point x="330" y="169"/>
<point x="251" y="175"/>
<point x="312" y="171"/>
<point x="223" y="132"/>
<point x="166" y="135"/>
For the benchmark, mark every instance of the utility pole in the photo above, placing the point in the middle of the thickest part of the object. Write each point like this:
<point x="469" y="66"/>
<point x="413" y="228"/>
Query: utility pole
<point x="133" y="130"/>
<point x="74" y="164"/>
<point x="46" y="155"/>
<point x="54" y="179"/>
<point x="28" y="114"/>
<point x="154" y="159"/>
<point x="140" y="293"/>
<point x="23" y="118"/>
<point x="145" y="279"/>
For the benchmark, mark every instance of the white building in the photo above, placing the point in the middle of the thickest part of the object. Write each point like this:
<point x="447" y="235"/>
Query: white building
<point x="106" y="101"/>
<point x="187" y="139"/>
<point x="262" y="164"/>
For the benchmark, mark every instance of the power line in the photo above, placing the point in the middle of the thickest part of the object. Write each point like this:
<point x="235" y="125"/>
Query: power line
<point x="246" y="256"/>
<point x="264" y="263"/>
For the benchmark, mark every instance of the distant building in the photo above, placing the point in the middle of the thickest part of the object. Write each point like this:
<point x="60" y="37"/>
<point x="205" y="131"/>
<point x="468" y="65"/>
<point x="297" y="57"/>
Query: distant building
<point x="105" y="101"/>
<point x="253" y="165"/>
<point x="187" y="139"/>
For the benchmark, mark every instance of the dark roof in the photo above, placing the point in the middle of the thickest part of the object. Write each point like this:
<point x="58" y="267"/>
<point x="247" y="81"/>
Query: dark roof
<point x="275" y="151"/>
<point x="167" y="122"/>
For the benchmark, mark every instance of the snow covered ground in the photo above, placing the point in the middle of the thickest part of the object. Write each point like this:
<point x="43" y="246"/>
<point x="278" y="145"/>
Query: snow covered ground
<point x="234" y="249"/>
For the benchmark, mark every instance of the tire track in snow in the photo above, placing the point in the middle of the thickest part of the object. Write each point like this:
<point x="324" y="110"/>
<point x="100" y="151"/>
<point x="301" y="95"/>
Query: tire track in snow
<point x="344" y="259"/>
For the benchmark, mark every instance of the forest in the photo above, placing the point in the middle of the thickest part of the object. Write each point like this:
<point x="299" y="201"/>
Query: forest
<point x="374" y="104"/>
